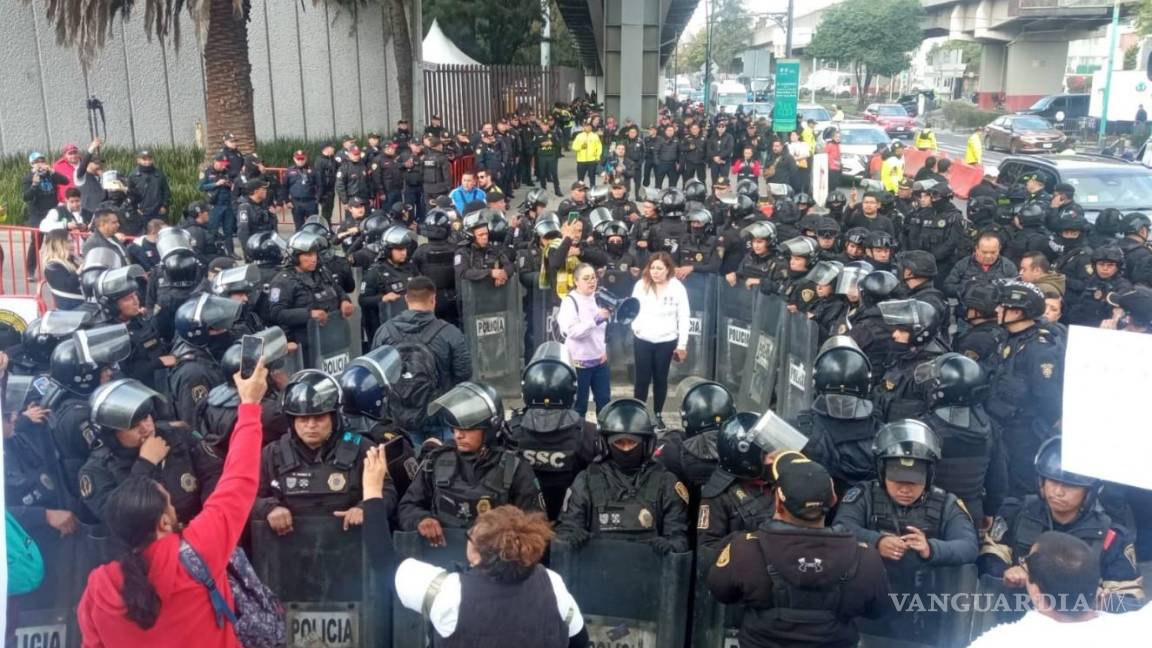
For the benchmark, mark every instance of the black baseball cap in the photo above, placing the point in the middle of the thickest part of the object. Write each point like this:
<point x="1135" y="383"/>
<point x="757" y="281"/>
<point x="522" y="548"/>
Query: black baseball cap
<point x="906" y="469"/>
<point x="356" y="202"/>
<point x="803" y="486"/>
<point x="1064" y="188"/>
<point x="721" y="182"/>
<point x="221" y="157"/>
<point x="495" y="196"/>
<point x="144" y="153"/>
<point x="1137" y="302"/>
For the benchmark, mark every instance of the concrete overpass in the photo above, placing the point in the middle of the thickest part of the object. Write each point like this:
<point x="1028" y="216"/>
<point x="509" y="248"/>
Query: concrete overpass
<point x="1025" y="41"/>
<point x="623" y="45"/>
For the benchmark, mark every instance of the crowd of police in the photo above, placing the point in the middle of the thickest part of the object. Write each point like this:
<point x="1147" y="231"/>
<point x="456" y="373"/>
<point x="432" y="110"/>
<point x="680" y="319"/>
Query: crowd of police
<point x="931" y="440"/>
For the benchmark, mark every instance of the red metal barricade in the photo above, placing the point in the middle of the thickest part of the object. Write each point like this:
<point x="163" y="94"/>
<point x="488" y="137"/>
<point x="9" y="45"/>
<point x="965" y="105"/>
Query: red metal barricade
<point x="18" y="245"/>
<point x="460" y="166"/>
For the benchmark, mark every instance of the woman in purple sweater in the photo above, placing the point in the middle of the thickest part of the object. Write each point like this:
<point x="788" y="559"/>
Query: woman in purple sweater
<point x="583" y="323"/>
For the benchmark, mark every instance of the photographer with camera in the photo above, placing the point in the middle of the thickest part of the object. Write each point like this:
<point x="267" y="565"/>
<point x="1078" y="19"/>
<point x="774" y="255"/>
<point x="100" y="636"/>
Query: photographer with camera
<point x="39" y="188"/>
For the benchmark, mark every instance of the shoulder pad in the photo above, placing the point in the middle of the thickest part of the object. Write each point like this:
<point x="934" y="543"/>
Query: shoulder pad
<point x="224" y="395"/>
<point x="853" y="494"/>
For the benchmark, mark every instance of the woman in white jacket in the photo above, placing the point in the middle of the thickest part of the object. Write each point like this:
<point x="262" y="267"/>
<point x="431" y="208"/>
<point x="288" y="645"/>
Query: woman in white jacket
<point x="661" y="329"/>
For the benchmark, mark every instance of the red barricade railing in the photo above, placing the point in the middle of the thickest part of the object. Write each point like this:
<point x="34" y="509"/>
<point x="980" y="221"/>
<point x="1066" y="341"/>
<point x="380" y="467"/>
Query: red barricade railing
<point x="460" y="166"/>
<point x="16" y="243"/>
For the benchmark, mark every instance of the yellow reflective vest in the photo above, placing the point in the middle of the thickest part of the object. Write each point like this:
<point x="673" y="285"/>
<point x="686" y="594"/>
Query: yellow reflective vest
<point x="974" y="154"/>
<point x="891" y="172"/>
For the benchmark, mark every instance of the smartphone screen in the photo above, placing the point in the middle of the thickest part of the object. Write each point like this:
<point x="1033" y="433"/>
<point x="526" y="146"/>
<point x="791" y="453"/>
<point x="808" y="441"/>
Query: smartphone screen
<point x="251" y="348"/>
<point x="573" y="216"/>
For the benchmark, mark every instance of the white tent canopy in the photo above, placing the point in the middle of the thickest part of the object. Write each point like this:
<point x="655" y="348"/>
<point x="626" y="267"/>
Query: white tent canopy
<point x="438" y="49"/>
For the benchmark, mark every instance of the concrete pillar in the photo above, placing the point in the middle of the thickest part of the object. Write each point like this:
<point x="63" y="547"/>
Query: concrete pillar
<point x="1034" y="70"/>
<point x="993" y="59"/>
<point x="632" y="59"/>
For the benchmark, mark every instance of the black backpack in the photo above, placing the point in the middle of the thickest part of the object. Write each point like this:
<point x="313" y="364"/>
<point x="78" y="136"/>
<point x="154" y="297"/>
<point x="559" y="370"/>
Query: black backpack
<point x="419" y="384"/>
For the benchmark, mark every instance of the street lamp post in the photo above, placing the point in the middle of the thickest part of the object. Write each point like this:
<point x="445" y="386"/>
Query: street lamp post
<point x="1115" y="30"/>
<point x="708" y="58"/>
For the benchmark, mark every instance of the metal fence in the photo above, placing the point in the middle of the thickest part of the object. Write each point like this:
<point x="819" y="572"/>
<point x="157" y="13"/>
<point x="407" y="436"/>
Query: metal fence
<point x="466" y="96"/>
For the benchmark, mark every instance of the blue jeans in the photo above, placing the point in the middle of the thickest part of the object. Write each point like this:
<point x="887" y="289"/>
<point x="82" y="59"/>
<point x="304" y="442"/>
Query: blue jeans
<point x="222" y="218"/>
<point x="429" y="431"/>
<point x="599" y="380"/>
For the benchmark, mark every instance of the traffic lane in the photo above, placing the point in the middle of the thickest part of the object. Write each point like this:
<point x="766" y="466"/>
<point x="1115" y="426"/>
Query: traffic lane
<point x="955" y="145"/>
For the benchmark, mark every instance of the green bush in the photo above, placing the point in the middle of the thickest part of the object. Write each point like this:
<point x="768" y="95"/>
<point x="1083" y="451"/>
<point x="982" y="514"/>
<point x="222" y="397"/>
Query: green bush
<point x="182" y="164"/>
<point x="962" y="114"/>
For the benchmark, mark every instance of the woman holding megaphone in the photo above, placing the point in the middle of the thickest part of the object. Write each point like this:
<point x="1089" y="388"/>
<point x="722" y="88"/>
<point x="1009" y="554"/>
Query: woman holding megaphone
<point x="661" y="329"/>
<point x="583" y="322"/>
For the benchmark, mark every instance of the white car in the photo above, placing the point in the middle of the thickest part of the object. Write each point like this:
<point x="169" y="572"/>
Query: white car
<point x="821" y="114"/>
<point x="858" y="141"/>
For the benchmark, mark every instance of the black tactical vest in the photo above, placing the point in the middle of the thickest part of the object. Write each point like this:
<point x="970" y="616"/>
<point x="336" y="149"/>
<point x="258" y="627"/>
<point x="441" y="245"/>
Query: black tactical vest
<point x="457" y="503"/>
<point x="1034" y="519"/>
<point x="624" y="507"/>
<point x="309" y="488"/>
<point x="927" y="515"/>
<point x="548" y="439"/>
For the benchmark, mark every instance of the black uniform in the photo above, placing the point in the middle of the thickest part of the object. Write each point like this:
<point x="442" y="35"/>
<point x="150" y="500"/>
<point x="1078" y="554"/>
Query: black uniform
<point x="609" y="503"/>
<point x="473" y="263"/>
<point x="729" y="505"/>
<point x="1033" y="238"/>
<point x="34" y="476"/>
<point x="301" y="188"/>
<point x="842" y="443"/>
<point x="325" y="166"/>
<point x="1089" y="307"/>
<point x="455" y="488"/>
<point x="899" y="396"/>
<point x="252" y="218"/>
<point x="698" y="251"/>
<point x="940" y="231"/>
<point x="437" y="174"/>
<point x="314" y="482"/>
<point x="982" y="342"/>
<point x="692" y="459"/>
<point x="547" y="156"/>
<point x="1075" y="263"/>
<point x="143" y="253"/>
<point x="217" y="415"/>
<point x="1025" y="399"/>
<point x="874" y="338"/>
<point x="693" y="158"/>
<point x="189" y="472"/>
<point x="353" y="180"/>
<point x="666" y="235"/>
<point x="436" y="260"/>
<point x="382" y="278"/>
<point x="557" y="444"/>
<point x="195" y="374"/>
<point x="1136" y="253"/>
<point x="294" y="293"/>
<point x="147" y="347"/>
<point x="972" y="458"/>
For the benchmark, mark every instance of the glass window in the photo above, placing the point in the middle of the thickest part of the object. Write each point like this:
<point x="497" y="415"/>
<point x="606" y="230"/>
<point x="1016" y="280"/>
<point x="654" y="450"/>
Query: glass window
<point x="817" y="113"/>
<point x="1028" y="122"/>
<point x="1124" y="190"/>
<point x="893" y="110"/>
<point x="855" y="136"/>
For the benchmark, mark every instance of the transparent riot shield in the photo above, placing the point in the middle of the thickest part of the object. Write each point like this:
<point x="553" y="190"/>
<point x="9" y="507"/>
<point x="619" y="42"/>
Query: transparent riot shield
<point x="701" y="287"/>
<point x="924" y="624"/>
<point x="794" y="391"/>
<point x="762" y="361"/>
<point x="735" y="306"/>
<point x="331" y="595"/>
<point x="714" y="625"/>
<point x="492" y="321"/>
<point x="619" y="336"/>
<point x="329" y="347"/>
<point x="541" y="316"/>
<point x="408" y="628"/>
<point x="628" y="595"/>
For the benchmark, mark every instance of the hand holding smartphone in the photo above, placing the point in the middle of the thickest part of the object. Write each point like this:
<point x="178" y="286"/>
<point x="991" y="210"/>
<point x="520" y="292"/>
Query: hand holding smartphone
<point x="251" y="348"/>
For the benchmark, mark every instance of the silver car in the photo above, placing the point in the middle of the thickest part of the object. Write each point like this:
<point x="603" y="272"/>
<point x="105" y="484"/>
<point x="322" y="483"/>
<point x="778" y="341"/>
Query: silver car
<point x="859" y="140"/>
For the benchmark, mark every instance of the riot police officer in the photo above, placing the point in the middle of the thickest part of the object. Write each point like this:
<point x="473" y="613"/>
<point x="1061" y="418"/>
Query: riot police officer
<point x="174" y="280"/>
<point x="461" y="480"/>
<point x="1029" y="234"/>
<point x="983" y="336"/>
<point x="133" y="442"/>
<point x="867" y="328"/>
<point x="690" y="453"/>
<point x="80" y="365"/>
<point x="622" y="209"/>
<point x="1069" y="503"/>
<point x="1025" y="394"/>
<point x="217" y="414"/>
<point x="667" y="233"/>
<point x="1089" y="307"/>
<point x="556" y="441"/>
<point x="915" y="326"/>
<point x="33" y="356"/>
<point x="938" y="228"/>
<point x="1070" y="236"/>
<point x="738" y="495"/>
<point x="241" y="284"/>
<point x="203" y="333"/>
<point x="917" y="271"/>
<point x="477" y="259"/>
<point x="365" y="384"/>
<point x="267" y="251"/>
<point x="305" y="291"/>
<point x="879" y="249"/>
<point x="315" y="468"/>
<point x="621" y="266"/>
<point x="698" y="249"/>
<point x="904" y="514"/>
<point x="251" y="214"/>
<point x="735" y="240"/>
<point x="386" y="281"/>
<point x="759" y="262"/>
<point x="435" y="260"/>
<point x="789" y="281"/>
<point x="627" y="495"/>
<point x="118" y="293"/>
<point x="841" y="423"/>
<point x="972" y="458"/>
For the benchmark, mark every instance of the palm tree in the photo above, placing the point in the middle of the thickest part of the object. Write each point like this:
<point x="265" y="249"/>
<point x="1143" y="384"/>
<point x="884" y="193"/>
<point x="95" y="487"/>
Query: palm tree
<point x="223" y="30"/>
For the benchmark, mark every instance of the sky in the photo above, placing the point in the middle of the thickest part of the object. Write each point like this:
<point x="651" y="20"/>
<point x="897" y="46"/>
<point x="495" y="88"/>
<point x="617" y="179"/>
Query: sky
<point x="754" y="7"/>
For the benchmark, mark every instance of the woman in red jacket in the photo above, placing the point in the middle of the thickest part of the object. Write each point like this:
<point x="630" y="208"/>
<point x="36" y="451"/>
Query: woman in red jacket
<point x="147" y="598"/>
<point x="747" y="167"/>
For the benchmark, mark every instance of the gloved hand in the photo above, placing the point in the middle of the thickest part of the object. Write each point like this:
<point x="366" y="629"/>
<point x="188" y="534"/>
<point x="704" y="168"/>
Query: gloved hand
<point x="576" y="537"/>
<point x="662" y="546"/>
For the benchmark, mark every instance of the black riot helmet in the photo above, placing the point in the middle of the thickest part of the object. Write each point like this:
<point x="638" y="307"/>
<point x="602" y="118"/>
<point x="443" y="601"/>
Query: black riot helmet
<point x="919" y="318"/>
<point x="824" y="273"/>
<point x="44" y="333"/>
<point x="748" y="187"/>
<point x="172" y="239"/>
<point x="612" y="228"/>
<point x="112" y="285"/>
<point x="877" y="286"/>
<point x="746" y="439"/>
<point x="672" y="203"/>
<point x="940" y="192"/>
<point x="853" y="272"/>
<point x="598" y="217"/>
<point x="475" y="221"/>
<point x="800" y="246"/>
<point x="836" y="200"/>
<point x="549" y="380"/>
<point x="760" y="230"/>
<point x="241" y="279"/>
<point x="695" y="191"/>
<point x="900" y="445"/>
<point x="304" y="242"/>
<point x="312" y="392"/>
<point x="955" y="380"/>
<point x="536" y="198"/>
<point x="785" y="211"/>
<point x="701" y="217"/>
<point x="704" y="405"/>
<point x="1071" y="219"/>
<point x="1109" y="222"/>
<point x="96" y="261"/>
<point x="266" y="248"/>
<point x="436" y="225"/>
<point x="887" y="202"/>
<point x="1049" y="465"/>
<point x="182" y="268"/>
<point x="629" y="417"/>
<point x="364" y="382"/>
<point x="398" y="237"/>
<point x="743" y="208"/>
<point x="76" y="364"/>
<point x="1013" y="293"/>
<point x="842" y="368"/>
<point x="1135" y="222"/>
<point x="317" y="224"/>
<point x="857" y="236"/>
<point x="197" y="317"/>
<point x="121" y="405"/>
<point x="803" y="201"/>
<point x="471" y="406"/>
<point x="547" y="226"/>
<point x="1032" y="214"/>
<point x="981" y="210"/>
<point x="497" y="225"/>
<point x="373" y="227"/>
<point x="230" y="361"/>
<point x="1111" y="253"/>
<point x="882" y="240"/>
<point x="980" y="296"/>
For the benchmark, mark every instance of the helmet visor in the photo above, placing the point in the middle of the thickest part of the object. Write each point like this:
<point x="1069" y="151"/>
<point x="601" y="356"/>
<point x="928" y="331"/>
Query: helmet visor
<point x="60" y="323"/>
<point x="171" y="239"/>
<point x="120" y="404"/>
<point x="104" y="345"/>
<point x="466" y="406"/>
<point x="383" y="362"/>
<point x="774" y="434"/>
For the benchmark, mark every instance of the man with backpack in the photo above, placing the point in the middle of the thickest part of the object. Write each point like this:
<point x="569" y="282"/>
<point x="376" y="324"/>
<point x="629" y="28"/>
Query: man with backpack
<point x="435" y="358"/>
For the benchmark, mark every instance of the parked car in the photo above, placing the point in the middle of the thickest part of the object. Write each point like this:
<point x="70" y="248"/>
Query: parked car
<point x="893" y="118"/>
<point x="814" y="111"/>
<point x="1060" y="108"/>
<point x="859" y="141"/>
<point x="1022" y="134"/>
<point x="1101" y="182"/>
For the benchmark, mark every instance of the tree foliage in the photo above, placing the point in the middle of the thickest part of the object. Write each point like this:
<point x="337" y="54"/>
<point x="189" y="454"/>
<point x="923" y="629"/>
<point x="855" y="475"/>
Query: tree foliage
<point x="970" y="53"/>
<point x="731" y="34"/>
<point x="494" y="32"/>
<point x="871" y="36"/>
<point x="1142" y="17"/>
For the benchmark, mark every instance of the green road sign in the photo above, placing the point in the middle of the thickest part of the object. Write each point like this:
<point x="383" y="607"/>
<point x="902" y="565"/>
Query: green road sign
<point x="787" y="93"/>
